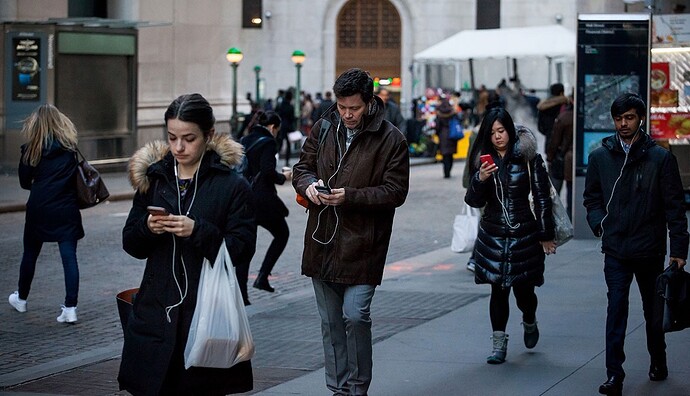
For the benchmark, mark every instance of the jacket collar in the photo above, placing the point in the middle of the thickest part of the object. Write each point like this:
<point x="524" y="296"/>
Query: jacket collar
<point x="638" y="149"/>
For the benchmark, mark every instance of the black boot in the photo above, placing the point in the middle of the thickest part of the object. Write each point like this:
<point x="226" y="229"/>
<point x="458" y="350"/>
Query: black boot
<point x="261" y="283"/>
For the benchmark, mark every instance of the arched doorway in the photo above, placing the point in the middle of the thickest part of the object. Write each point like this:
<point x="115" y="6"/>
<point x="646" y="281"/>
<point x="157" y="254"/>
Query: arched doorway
<point x="369" y="37"/>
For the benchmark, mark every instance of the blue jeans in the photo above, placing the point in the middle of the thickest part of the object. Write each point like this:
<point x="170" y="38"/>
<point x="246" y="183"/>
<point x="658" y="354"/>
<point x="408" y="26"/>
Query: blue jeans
<point x="68" y="253"/>
<point x="345" y="312"/>
<point x="619" y="275"/>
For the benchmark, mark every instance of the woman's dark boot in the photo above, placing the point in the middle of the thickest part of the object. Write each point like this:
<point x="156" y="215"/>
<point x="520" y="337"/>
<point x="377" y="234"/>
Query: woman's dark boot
<point x="261" y="283"/>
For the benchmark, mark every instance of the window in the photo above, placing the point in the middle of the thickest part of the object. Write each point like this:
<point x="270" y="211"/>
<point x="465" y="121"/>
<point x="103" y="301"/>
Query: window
<point x="252" y="14"/>
<point x="489" y="14"/>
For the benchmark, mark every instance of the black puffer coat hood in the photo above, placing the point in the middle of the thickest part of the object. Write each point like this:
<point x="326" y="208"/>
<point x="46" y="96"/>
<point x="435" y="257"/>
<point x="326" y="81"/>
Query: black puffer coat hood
<point x="507" y="248"/>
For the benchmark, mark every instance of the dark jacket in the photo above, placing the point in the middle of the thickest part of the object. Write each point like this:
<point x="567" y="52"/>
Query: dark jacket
<point x="262" y="168"/>
<point x="374" y="172"/>
<point x="446" y="145"/>
<point x="648" y="200"/>
<point x="549" y="109"/>
<point x="505" y="255"/>
<point x="392" y="113"/>
<point x="221" y="209"/>
<point x="52" y="213"/>
<point x="562" y="142"/>
<point x="286" y="111"/>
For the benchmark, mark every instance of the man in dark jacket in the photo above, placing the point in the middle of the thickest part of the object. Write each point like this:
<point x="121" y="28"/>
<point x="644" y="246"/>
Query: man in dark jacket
<point x="547" y="112"/>
<point x="634" y="196"/>
<point x="392" y="111"/>
<point x="363" y="161"/>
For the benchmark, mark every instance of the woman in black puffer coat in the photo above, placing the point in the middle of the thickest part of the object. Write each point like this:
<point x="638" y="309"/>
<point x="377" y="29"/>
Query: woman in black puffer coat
<point x="513" y="239"/>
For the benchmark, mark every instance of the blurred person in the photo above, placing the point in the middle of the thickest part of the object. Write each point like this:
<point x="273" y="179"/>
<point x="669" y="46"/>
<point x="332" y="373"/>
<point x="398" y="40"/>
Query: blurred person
<point x="447" y="146"/>
<point x="187" y="176"/>
<point x="325" y="104"/>
<point x="364" y="161"/>
<point x="47" y="168"/>
<point x="548" y="110"/>
<point x="559" y="153"/>
<point x="638" y="183"/>
<point x="286" y="112"/>
<point x="513" y="240"/>
<point x="392" y="112"/>
<point x="271" y="211"/>
<point x="306" y="109"/>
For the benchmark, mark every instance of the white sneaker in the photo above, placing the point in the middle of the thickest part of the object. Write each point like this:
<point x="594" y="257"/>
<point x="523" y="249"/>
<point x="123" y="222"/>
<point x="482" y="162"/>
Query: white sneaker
<point x="16" y="302"/>
<point x="69" y="315"/>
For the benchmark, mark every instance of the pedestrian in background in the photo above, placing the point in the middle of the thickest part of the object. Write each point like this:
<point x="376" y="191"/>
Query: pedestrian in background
<point x="446" y="145"/>
<point x="548" y="111"/>
<point x="47" y="168"/>
<point x="286" y="112"/>
<point x="207" y="203"/>
<point x="363" y="161"/>
<point x="306" y="109"/>
<point x="270" y="209"/>
<point x="634" y="197"/>
<point x="559" y="153"/>
<point x="512" y="240"/>
<point x="392" y="111"/>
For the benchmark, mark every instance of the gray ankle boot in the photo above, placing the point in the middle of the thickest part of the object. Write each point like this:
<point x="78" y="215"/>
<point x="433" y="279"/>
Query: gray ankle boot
<point x="531" y="334"/>
<point x="500" y="347"/>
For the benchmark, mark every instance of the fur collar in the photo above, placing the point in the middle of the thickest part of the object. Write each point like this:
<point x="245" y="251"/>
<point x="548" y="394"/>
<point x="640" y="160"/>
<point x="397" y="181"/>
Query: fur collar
<point x="526" y="145"/>
<point x="229" y="151"/>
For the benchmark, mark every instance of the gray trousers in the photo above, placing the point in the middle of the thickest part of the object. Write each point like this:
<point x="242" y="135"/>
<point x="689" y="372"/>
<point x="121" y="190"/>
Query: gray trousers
<point x="345" y="312"/>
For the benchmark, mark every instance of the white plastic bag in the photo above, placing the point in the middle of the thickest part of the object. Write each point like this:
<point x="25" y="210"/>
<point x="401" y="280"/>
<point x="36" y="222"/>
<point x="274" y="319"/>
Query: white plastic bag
<point x="219" y="336"/>
<point x="465" y="229"/>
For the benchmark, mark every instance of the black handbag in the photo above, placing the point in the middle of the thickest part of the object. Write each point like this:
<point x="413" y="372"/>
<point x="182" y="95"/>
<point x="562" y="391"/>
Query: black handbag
<point x="673" y="286"/>
<point x="91" y="189"/>
<point x="557" y="166"/>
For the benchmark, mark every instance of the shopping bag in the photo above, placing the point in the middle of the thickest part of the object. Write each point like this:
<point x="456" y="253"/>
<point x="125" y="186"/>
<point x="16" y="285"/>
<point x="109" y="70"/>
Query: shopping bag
<point x="673" y="286"/>
<point x="465" y="228"/>
<point x="219" y="336"/>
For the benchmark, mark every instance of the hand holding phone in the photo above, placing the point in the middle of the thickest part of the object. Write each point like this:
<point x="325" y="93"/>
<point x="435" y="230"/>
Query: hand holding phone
<point x="323" y="189"/>
<point x="157" y="211"/>
<point x="486" y="158"/>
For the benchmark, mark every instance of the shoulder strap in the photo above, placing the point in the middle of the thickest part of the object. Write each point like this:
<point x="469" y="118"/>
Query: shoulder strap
<point x="259" y="140"/>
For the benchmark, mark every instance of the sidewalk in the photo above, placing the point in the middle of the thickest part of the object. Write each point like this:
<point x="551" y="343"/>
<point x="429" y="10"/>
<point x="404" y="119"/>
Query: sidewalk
<point x="431" y="334"/>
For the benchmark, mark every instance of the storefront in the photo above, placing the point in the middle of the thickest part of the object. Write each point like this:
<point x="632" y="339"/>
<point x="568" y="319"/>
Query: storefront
<point x="670" y="89"/>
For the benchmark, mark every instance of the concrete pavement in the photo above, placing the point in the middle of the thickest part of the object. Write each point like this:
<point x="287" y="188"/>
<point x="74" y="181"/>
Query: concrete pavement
<point x="431" y="330"/>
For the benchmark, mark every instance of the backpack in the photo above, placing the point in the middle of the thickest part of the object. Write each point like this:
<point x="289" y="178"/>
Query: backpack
<point x="243" y="167"/>
<point x="546" y="119"/>
<point x="455" y="131"/>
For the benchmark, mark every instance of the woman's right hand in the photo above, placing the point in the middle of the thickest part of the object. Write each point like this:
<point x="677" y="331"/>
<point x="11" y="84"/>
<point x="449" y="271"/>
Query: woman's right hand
<point x="486" y="170"/>
<point x="154" y="224"/>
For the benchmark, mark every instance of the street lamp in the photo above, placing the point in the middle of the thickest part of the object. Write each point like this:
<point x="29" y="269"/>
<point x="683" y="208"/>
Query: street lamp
<point x="257" y="70"/>
<point x="234" y="56"/>
<point x="297" y="58"/>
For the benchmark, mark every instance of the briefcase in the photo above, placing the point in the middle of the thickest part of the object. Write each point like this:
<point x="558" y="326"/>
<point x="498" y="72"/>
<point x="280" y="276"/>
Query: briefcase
<point x="673" y="286"/>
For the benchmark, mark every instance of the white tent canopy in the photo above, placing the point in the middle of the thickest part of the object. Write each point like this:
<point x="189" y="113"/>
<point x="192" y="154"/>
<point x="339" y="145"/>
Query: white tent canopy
<point x="548" y="41"/>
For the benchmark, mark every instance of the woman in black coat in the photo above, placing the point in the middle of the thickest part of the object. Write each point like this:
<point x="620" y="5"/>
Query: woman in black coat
<point x="271" y="212"/>
<point x="192" y="179"/>
<point x="513" y="238"/>
<point x="47" y="168"/>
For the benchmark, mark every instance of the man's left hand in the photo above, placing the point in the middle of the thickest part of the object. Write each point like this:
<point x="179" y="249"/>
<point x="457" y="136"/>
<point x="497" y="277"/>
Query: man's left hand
<point x="335" y="198"/>
<point x="679" y="261"/>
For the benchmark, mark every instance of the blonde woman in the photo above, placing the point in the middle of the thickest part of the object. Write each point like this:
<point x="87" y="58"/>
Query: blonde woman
<point x="47" y="168"/>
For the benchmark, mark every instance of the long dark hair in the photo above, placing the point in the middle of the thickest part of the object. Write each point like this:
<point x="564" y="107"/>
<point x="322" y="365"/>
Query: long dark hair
<point x="482" y="144"/>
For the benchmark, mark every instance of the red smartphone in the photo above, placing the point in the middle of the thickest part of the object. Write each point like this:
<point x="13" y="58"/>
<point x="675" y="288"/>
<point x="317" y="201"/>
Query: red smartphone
<point x="486" y="158"/>
<point x="157" y="211"/>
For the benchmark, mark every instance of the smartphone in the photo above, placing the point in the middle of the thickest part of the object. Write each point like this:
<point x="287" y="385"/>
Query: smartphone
<point x="157" y="211"/>
<point x="486" y="158"/>
<point x="323" y="189"/>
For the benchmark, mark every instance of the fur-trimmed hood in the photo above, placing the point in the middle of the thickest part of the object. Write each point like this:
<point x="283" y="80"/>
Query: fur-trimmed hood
<point x="229" y="151"/>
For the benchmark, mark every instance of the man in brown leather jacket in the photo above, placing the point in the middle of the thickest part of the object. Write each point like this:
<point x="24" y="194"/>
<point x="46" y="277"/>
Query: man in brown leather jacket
<point x="354" y="170"/>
